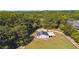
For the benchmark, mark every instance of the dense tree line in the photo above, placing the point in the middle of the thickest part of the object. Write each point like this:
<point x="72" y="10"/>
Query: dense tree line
<point x="16" y="27"/>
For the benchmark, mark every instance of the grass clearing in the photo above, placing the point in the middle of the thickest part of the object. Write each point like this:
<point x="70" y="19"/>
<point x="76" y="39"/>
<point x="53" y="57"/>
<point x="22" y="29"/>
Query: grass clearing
<point x="59" y="41"/>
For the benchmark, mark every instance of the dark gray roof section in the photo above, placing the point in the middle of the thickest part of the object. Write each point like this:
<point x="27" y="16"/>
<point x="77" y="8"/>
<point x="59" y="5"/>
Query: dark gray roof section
<point x="42" y="33"/>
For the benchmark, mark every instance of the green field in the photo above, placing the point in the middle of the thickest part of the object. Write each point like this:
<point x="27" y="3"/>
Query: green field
<point x="59" y="41"/>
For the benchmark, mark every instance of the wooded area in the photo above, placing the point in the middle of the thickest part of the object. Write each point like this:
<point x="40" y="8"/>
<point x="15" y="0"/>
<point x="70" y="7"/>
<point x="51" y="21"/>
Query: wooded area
<point x="16" y="27"/>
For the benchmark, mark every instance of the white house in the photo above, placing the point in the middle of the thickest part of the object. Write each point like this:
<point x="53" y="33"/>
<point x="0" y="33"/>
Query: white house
<point x="43" y="33"/>
<point x="43" y="36"/>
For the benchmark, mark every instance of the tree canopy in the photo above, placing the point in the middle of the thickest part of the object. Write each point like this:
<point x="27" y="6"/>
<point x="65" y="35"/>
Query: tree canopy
<point x="16" y="27"/>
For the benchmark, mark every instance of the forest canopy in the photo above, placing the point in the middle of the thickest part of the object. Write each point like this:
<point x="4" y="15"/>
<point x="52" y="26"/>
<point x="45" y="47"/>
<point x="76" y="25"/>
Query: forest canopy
<point x="16" y="27"/>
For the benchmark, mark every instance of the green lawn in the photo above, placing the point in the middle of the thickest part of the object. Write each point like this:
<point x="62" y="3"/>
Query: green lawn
<point x="59" y="41"/>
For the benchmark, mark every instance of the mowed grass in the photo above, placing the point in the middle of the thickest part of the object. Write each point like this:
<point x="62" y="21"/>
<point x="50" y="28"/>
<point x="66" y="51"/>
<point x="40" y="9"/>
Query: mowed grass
<point x="59" y="41"/>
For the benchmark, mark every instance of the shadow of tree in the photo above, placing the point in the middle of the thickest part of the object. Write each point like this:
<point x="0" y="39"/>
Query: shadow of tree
<point x="13" y="44"/>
